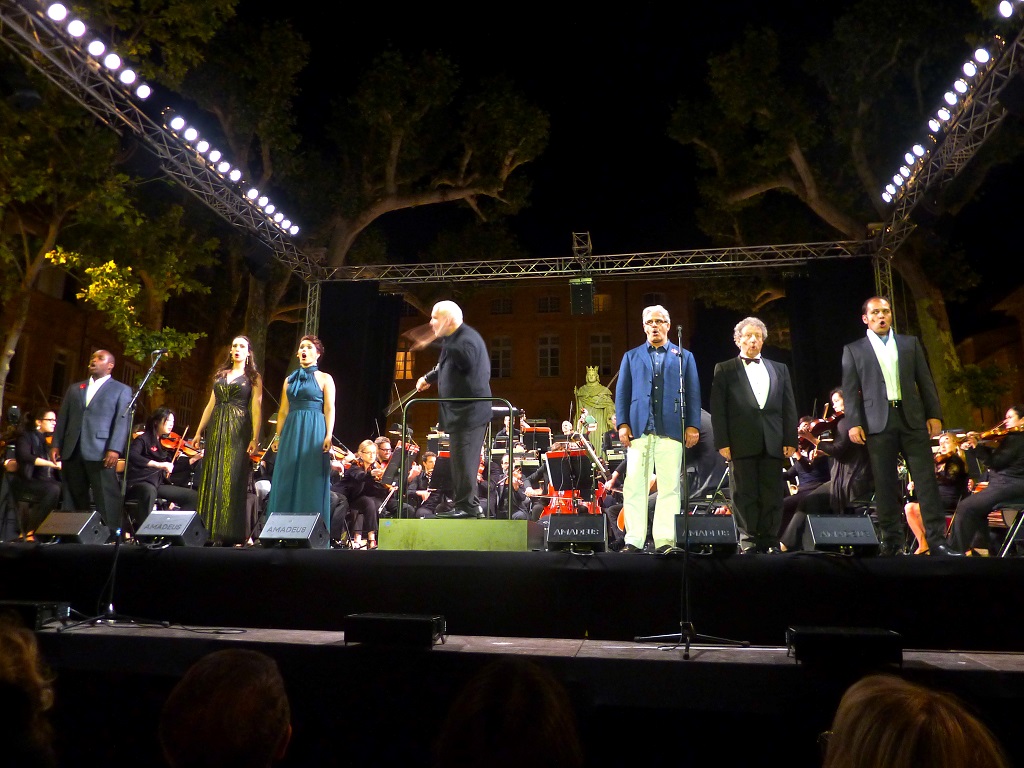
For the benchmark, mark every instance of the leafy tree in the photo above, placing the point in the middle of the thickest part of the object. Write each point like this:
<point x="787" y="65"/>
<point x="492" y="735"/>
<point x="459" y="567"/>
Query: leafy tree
<point x="799" y="140"/>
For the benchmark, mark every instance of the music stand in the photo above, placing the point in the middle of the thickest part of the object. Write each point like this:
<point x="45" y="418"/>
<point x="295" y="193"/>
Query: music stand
<point x="537" y="438"/>
<point x="441" y="479"/>
<point x="571" y="471"/>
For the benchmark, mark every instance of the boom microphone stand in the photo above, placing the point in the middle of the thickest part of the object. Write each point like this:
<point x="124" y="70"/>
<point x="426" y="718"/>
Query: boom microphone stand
<point x="687" y="634"/>
<point x="110" y="615"/>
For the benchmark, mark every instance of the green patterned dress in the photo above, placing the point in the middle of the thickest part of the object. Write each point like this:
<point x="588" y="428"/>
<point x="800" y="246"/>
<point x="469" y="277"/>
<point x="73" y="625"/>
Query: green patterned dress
<point x="227" y="468"/>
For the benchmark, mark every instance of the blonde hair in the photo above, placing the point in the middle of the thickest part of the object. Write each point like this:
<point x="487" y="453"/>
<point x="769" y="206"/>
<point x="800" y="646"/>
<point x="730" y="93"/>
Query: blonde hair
<point x="885" y="720"/>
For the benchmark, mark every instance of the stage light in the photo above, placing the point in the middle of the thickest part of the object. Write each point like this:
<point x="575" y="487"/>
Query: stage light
<point x="909" y="157"/>
<point x="191" y="134"/>
<point x="950" y="98"/>
<point x="1006" y="9"/>
<point x="214" y="155"/>
<point x="286" y="223"/>
<point x="127" y="76"/>
<point x="934" y="125"/>
<point x="252" y="194"/>
<point x="143" y="91"/>
<point x="76" y="28"/>
<point x="112" y="61"/>
<point x="269" y="208"/>
<point x="262" y="202"/>
<point x="887" y="197"/>
<point x="960" y="86"/>
<point x="57" y="12"/>
<point x="177" y="123"/>
<point x="96" y="48"/>
<point x="202" y="146"/>
<point x="897" y="180"/>
<point x="904" y="172"/>
<point x="294" y="229"/>
<point x="890" y="189"/>
<point x="970" y="68"/>
<point x="235" y="175"/>
<point x="278" y="217"/>
<point x="224" y="166"/>
<point x="944" y="114"/>
<point x="982" y="56"/>
<point x="918" y="150"/>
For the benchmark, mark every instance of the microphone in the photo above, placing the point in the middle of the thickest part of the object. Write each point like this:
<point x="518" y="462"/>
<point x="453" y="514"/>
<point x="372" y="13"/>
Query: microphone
<point x="159" y="351"/>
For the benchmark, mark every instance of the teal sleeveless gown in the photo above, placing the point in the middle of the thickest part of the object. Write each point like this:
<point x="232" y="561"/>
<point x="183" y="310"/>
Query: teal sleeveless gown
<point x="301" y="481"/>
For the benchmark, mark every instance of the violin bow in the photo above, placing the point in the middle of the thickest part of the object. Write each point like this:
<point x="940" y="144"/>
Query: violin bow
<point x="396" y="404"/>
<point x="177" y="449"/>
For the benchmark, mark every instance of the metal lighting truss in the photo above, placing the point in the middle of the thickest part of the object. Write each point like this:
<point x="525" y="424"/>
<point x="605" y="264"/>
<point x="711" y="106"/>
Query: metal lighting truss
<point x="26" y="30"/>
<point x="980" y="113"/>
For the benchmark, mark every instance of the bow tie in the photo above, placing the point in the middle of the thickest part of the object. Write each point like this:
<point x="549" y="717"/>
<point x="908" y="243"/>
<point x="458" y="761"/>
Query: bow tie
<point x="749" y="360"/>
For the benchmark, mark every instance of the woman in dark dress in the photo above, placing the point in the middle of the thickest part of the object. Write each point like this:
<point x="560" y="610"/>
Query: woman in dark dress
<point x="233" y="417"/>
<point x="36" y="472"/>
<point x="150" y="464"/>
<point x="305" y="425"/>
<point x="951" y="475"/>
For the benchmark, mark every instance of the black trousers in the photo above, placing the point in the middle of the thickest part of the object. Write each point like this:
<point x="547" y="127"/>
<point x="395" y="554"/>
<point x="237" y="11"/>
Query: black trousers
<point x="146" y="495"/>
<point x="465" y="447"/>
<point x="81" y="478"/>
<point x="757" y="495"/>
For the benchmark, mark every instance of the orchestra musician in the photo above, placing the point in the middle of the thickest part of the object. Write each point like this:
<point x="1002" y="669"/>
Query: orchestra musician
<point x="361" y="487"/>
<point x="35" y="478"/>
<point x="386" y="477"/>
<point x="421" y="493"/>
<point x="150" y="462"/>
<point x="1005" y="460"/>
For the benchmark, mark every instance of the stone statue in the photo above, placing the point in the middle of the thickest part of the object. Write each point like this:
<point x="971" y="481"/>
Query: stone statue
<point x="595" y="405"/>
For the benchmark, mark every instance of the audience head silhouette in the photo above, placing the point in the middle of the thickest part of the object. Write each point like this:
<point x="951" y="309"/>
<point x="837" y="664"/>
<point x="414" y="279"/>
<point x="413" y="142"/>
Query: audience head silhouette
<point x="230" y="710"/>
<point x="513" y="712"/>
<point x="885" y="720"/>
<point x="26" y="696"/>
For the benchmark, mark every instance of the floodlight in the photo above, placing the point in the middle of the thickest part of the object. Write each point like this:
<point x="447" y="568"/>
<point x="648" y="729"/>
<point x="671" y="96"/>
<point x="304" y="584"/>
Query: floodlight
<point x="944" y="114"/>
<point x="57" y="12"/>
<point x="286" y="223"/>
<point x="112" y="61"/>
<point x="96" y="48"/>
<point x="1006" y="9"/>
<point x="960" y="86"/>
<point x="898" y="180"/>
<point x="950" y="98"/>
<point x="982" y="56"/>
<point x="191" y="134"/>
<point x="970" y="68"/>
<point x="918" y="150"/>
<point x="214" y="155"/>
<point x="909" y="157"/>
<point x="934" y="125"/>
<point x="262" y="202"/>
<point x="887" y="197"/>
<point x="252" y="194"/>
<point x="269" y="208"/>
<point x="904" y="172"/>
<point x="278" y="217"/>
<point x="177" y="123"/>
<point x="235" y="175"/>
<point x="127" y="76"/>
<point x="295" y="229"/>
<point x="890" y="189"/>
<point x="224" y="166"/>
<point x="202" y="146"/>
<point x="76" y="28"/>
<point x="143" y="91"/>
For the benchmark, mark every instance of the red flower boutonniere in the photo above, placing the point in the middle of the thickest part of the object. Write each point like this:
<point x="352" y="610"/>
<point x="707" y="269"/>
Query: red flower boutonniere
<point x="81" y="386"/>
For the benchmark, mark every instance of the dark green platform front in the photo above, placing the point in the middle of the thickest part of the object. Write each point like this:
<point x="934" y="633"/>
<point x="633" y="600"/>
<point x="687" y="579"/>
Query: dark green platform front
<point x="465" y="535"/>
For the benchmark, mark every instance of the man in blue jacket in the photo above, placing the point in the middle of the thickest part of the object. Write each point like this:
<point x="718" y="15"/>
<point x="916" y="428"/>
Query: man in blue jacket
<point x="657" y="382"/>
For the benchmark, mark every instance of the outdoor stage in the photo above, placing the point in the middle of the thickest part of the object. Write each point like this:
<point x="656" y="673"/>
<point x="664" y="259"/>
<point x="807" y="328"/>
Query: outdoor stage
<point x="580" y="615"/>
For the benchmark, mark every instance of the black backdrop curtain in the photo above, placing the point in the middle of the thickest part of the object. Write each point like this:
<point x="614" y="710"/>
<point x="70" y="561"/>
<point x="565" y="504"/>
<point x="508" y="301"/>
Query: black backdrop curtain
<point x="359" y="329"/>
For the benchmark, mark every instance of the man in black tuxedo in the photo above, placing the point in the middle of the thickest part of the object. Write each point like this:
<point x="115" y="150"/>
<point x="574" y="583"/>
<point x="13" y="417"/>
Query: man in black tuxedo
<point x="463" y="370"/>
<point x="892" y="406"/>
<point x="753" y="415"/>
<point x="91" y="435"/>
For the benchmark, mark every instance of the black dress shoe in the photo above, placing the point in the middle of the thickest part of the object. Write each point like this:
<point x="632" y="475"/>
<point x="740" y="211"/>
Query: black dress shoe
<point x="944" y="550"/>
<point x="630" y="548"/>
<point x="668" y="549"/>
<point x="455" y="514"/>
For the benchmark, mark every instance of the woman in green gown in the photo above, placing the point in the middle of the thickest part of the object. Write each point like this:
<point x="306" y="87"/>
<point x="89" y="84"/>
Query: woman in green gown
<point x="233" y="418"/>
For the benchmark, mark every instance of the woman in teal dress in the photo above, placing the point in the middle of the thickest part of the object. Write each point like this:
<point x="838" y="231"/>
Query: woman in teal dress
<point x="305" y="425"/>
<point x="233" y="417"/>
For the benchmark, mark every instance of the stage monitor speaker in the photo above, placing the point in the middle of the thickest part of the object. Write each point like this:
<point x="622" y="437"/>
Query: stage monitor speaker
<point x="181" y="528"/>
<point x="577" y="532"/>
<point x="302" y="531"/>
<point x="582" y="296"/>
<point x="394" y="629"/>
<point x="847" y="534"/>
<point x="717" y="532"/>
<point x="73" y="528"/>
<point x="845" y="646"/>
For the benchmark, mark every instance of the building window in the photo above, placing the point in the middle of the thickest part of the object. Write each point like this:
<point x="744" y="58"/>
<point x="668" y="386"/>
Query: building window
<point x="59" y="373"/>
<point x="650" y="299"/>
<point x="601" y="352"/>
<point x="547" y="356"/>
<point x="51" y="282"/>
<point x="602" y="302"/>
<point x="501" y="306"/>
<point x="548" y="304"/>
<point x="405" y="359"/>
<point x="185" y="404"/>
<point x="131" y="374"/>
<point x="501" y="357"/>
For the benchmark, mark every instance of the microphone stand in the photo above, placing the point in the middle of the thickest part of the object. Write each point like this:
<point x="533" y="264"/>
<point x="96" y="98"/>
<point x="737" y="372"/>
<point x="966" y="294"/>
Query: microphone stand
<point x="110" y="614"/>
<point x="687" y="634"/>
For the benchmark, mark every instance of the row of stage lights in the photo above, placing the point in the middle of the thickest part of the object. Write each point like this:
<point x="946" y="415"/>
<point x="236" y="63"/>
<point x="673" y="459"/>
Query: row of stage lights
<point x="176" y="124"/>
<point x="953" y="98"/>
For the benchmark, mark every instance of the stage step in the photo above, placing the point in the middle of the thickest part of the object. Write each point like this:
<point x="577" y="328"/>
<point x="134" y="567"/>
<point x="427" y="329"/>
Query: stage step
<point x="467" y="535"/>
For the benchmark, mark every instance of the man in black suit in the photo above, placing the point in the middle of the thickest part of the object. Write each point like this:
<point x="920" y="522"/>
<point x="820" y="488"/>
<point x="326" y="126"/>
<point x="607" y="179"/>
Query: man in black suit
<point x="91" y="435"/>
<point x="753" y="415"/>
<point x="892" y="406"/>
<point x="463" y="370"/>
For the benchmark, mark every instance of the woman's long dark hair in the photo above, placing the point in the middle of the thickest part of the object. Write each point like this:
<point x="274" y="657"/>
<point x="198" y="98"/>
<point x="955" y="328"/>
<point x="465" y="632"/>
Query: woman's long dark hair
<point x="156" y="418"/>
<point x="250" y="365"/>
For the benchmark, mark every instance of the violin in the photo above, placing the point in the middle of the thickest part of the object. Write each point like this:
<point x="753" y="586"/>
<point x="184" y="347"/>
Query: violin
<point x="179" y="444"/>
<point x="997" y="433"/>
